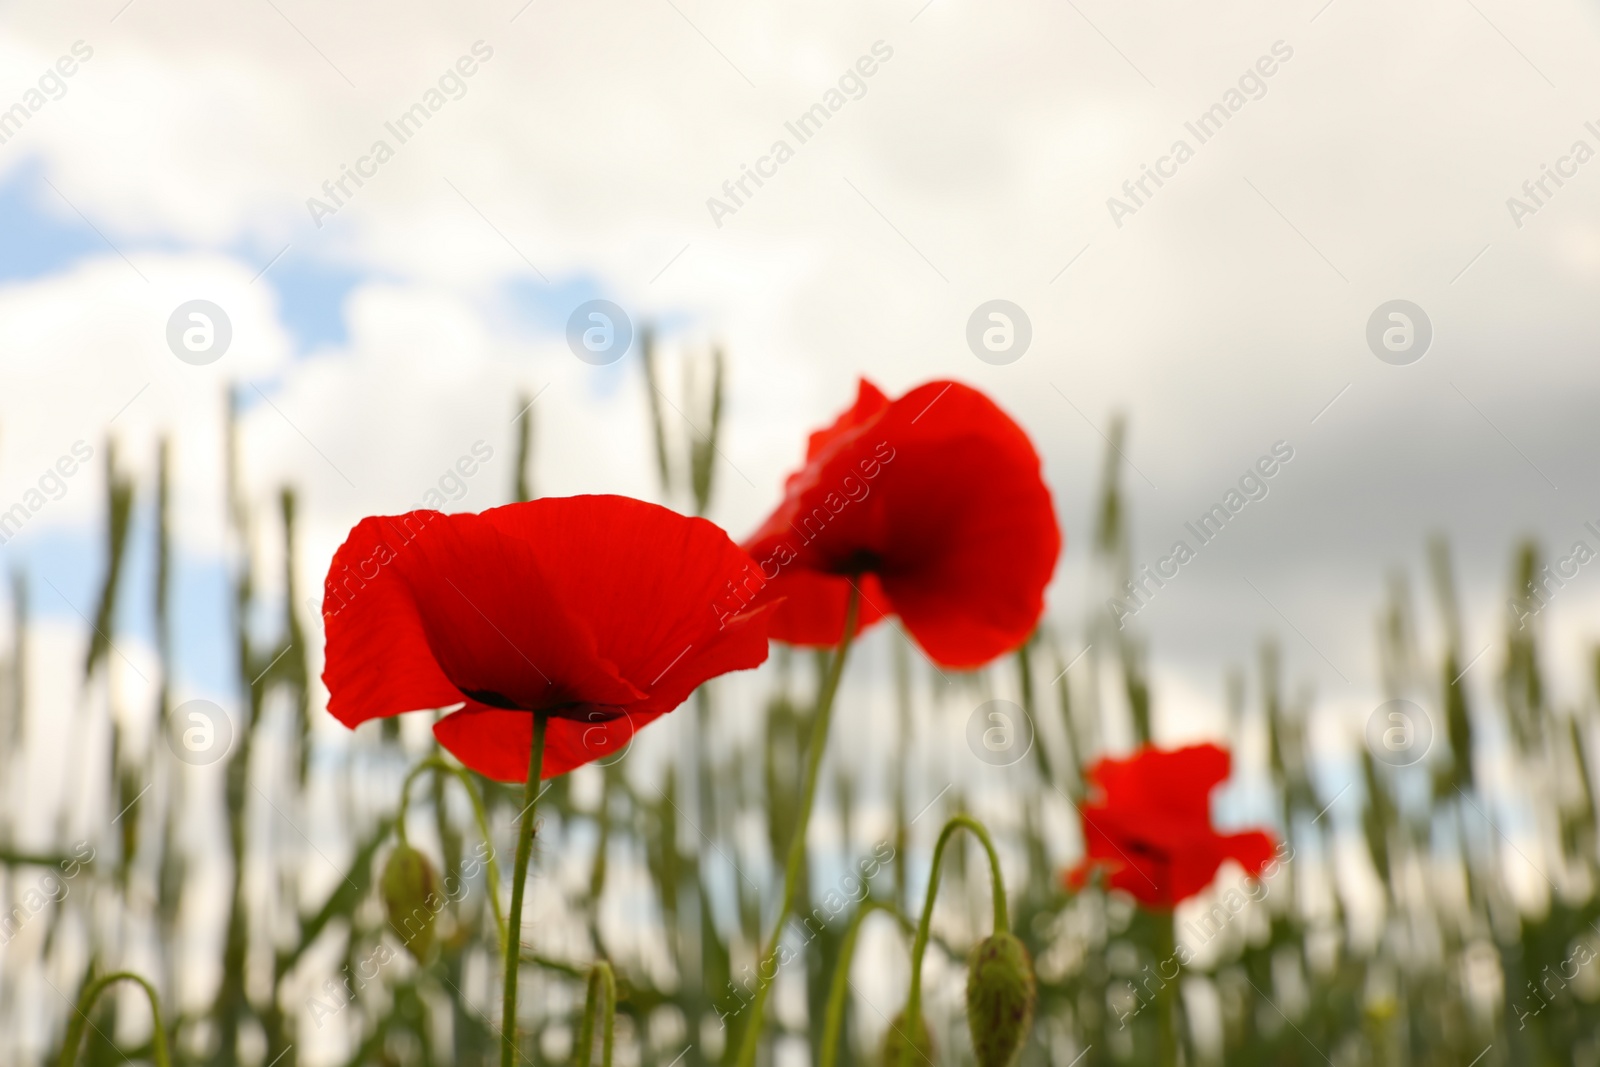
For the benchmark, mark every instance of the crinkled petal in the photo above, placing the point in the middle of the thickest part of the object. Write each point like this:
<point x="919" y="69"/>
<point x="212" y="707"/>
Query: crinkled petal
<point x="602" y="612"/>
<point x="498" y="743"/>
<point x="939" y="495"/>
<point x="425" y="610"/>
<point x="812" y="605"/>
<point x="654" y="585"/>
<point x="1149" y="826"/>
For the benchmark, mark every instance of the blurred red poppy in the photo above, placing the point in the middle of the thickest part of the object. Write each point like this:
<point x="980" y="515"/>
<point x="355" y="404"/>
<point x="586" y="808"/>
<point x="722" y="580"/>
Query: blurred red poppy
<point x="933" y="505"/>
<point x="598" y="611"/>
<point x="1150" y="828"/>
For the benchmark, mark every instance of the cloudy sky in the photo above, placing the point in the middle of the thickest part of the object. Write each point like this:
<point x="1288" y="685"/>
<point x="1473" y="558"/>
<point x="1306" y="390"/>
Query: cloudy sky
<point x="1336" y="156"/>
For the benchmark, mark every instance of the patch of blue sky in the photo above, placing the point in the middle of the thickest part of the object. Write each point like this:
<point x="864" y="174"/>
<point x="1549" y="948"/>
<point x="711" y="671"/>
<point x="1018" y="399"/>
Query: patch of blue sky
<point x="64" y="569"/>
<point x="529" y="307"/>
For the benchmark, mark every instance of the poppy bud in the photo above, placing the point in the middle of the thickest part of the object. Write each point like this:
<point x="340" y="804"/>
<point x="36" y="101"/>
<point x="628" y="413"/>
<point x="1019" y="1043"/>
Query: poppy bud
<point x="410" y="888"/>
<point x="1000" y="996"/>
<point x="898" y="1048"/>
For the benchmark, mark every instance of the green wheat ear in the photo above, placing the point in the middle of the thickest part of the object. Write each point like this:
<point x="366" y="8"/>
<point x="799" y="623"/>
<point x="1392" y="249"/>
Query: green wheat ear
<point x="119" y="509"/>
<point x="522" y="485"/>
<point x="647" y="352"/>
<point x="703" y="444"/>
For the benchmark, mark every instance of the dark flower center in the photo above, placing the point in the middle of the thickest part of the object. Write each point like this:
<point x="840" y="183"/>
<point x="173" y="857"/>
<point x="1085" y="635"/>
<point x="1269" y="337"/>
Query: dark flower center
<point x="860" y="561"/>
<point x="577" y="710"/>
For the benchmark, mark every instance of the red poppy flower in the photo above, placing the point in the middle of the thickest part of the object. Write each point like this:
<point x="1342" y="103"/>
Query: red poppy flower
<point x="933" y="505"/>
<point x="1150" y="828"/>
<point x="598" y="611"/>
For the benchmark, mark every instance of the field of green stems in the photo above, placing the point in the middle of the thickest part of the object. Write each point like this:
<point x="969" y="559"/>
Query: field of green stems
<point x="1441" y="913"/>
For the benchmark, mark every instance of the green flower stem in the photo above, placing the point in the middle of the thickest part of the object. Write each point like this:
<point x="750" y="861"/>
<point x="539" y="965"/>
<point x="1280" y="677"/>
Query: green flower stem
<point x="797" y="844"/>
<point x="602" y="983"/>
<point x="1002" y="920"/>
<point x="439" y="766"/>
<point x="1166" y="993"/>
<point x="834" y="1021"/>
<point x="80" y="1018"/>
<point x="530" y="799"/>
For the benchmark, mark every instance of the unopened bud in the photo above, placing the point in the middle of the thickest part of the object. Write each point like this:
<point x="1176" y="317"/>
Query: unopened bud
<point x="410" y="889"/>
<point x="1001" y="992"/>
<point x="901" y="1048"/>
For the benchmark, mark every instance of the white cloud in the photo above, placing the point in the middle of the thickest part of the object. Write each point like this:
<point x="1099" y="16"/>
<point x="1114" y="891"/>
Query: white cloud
<point x="1221" y="316"/>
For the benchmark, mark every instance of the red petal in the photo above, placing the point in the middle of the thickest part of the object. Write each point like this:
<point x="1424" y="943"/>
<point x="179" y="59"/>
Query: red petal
<point x="1132" y="864"/>
<point x="424" y="599"/>
<point x="496" y="622"/>
<point x="1252" y="850"/>
<point x="938" y="493"/>
<point x="870" y="403"/>
<point x="655" y="586"/>
<point x="981" y="542"/>
<point x="1162" y="795"/>
<point x="582" y="607"/>
<point x="377" y="658"/>
<point x="813" y="606"/>
<point x="498" y="743"/>
<point x="1195" y="866"/>
<point x="1151" y="825"/>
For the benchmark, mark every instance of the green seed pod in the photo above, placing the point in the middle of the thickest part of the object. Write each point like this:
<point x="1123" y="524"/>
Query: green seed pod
<point x="900" y="1051"/>
<point x="410" y="888"/>
<point x="1001" y="992"/>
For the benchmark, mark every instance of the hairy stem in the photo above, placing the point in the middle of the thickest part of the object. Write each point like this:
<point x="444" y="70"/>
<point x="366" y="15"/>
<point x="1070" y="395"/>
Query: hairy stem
<point x="530" y="799"/>
<point x="1166" y="1000"/>
<point x="602" y="984"/>
<point x="797" y="843"/>
<point x="1002" y="919"/>
<point x="834" y="1021"/>
<point x="439" y="766"/>
<point x="80" y="1018"/>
